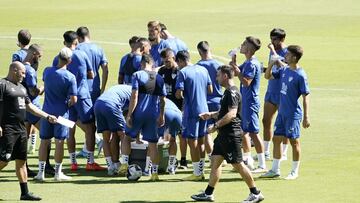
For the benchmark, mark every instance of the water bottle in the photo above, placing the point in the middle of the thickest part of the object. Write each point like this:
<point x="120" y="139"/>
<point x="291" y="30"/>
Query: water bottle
<point x="233" y="52"/>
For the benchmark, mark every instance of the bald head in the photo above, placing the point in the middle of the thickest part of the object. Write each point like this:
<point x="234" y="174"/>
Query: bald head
<point x="16" y="72"/>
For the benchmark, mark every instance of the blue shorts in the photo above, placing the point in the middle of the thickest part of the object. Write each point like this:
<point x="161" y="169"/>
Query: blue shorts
<point x="193" y="128"/>
<point x="173" y="122"/>
<point x="273" y="98"/>
<point x="31" y="118"/>
<point x="212" y="107"/>
<point x="108" y="117"/>
<point x="83" y="111"/>
<point x="250" y="120"/>
<point x="288" y="127"/>
<point x="94" y="95"/>
<point x="49" y="130"/>
<point x="147" y="126"/>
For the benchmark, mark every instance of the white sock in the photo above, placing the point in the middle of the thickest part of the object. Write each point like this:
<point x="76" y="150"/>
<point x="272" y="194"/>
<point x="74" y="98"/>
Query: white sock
<point x="284" y="149"/>
<point x="109" y="162"/>
<point x="267" y="147"/>
<point x="90" y="157"/>
<point x="148" y="164"/>
<point x="276" y="165"/>
<point x="201" y="166"/>
<point x="172" y="160"/>
<point x="58" y="167"/>
<point x="33" y="139"/>
<point x="246" y="155"/>
<point x="261" y="158"/>
<point x="97" y="138"/>
<point x="295" y="166"/>
<point x="154" y="168"/>
<point x="72" y="157"/>
<point x="124" y="159"/>
<point x="42" y="167"/>
<point x="196" y="168"/>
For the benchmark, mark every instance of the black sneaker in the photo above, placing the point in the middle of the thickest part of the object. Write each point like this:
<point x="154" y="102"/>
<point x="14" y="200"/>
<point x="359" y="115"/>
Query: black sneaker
<point x="203" y="197"/>
<point x="31" y="173"/>
<point x="30" y="197"/>
<point x="49" y="170"/>
<point x="183" y="164"/>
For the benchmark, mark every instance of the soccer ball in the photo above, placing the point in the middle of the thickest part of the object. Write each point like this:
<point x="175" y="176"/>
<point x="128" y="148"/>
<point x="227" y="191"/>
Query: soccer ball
<point x="134" y="172"/>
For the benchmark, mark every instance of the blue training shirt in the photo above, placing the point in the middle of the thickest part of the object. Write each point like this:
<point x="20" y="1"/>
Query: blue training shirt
<point x="274" y="85"/>
<point x="60" y="84"/>
<point x="97" y="58"/>
<point x="250" y="95"/>
<point x="148" y="104"/>
<point x="156" y="50"/>
<point x="117" y="96"/>
<point x="293" y="84"/>
<point x="79" y="66"/>
<point x="30" y="81"/>
<point x="19" y="55"/>
<point x="194" y="81"/>
<point x="212" y="66"/>
<point x="125" y="68"/>
<point x="176" y="45"/>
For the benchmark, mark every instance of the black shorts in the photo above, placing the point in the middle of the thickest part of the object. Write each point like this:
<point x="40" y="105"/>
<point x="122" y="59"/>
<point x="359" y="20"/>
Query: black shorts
<point x="228" y="145"/>
<point x="13" y="146"/>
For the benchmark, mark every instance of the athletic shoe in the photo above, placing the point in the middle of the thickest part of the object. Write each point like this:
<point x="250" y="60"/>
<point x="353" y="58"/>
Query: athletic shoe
<point x="31" y="173"/>
<point x="49" y="170"/>
<point x="146" y="173"/>
<point x="252" y="198"/>
<point x="100" y="146"/>
<point x="112" y="171"/>
<point x="123" y="169"/>
<point x="82" y="153"/>
<point x="194" y="178"/>
<point x="61" y="177"/>
<point x="154" y="177"/>
<point x="292" y="176"/>
<point x="30" y="197"/>
<point x="39" y="177"/>
<point x="259" y="170"/>
<point x="74" y="167"/>
<point x="171" y="170"/>
<point x="203" y="197"/>
<point x="94" y="167"/>
<point x="183" y="164"/>
<point x="270" y="174"/>
<point x="31" y="149"/>
<point x="249" y="163"/>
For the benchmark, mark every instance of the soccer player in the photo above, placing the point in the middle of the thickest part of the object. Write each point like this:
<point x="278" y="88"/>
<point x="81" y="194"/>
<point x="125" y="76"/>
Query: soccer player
<point x="14" y="103"/>
<point x="173" y="120"/>
<point x="272" y="97"/>
<point x="294" y="84"/>
<point x="24" y="38"/>
<point x="82" y="112"/>
<point x="60" y="94"/>
<point x="213" y="100"/>
<point x="97" y="59"/>
<point x="111" y="123"/>
<point x="227" y="144"/>
<point x="131" y="62"/>
<point x="128" y="60"/>
<point x="175" y="43"/>
<point x="145" y="114"/>
<point x="193" y="84"/>
<point x="249" y="76"/>
<point x="169" y="71"/>
<point x="157" y="44"/>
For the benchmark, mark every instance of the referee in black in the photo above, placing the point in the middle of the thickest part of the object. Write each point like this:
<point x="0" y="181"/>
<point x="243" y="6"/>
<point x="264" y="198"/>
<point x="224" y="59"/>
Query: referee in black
<point x="14" y="103"/>
<point x="227" y="144"/>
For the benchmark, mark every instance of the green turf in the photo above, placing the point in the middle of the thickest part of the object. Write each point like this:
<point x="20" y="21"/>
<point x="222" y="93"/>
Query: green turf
<point x="328" y="30"/>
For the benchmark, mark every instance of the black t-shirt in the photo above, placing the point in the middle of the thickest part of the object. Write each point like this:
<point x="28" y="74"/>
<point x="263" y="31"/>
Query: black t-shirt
<point x="13" y="101"/>
<point x="231" y="99"/>
<point x="170" y="77"/>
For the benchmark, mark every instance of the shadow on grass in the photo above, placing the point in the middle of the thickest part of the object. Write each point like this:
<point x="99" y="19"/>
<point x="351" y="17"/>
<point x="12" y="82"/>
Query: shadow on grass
<point x="142" y="201"/>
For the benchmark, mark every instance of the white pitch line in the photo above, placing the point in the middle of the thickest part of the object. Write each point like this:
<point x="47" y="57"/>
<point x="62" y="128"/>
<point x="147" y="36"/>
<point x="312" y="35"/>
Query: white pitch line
<point x="193" y="52"/>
